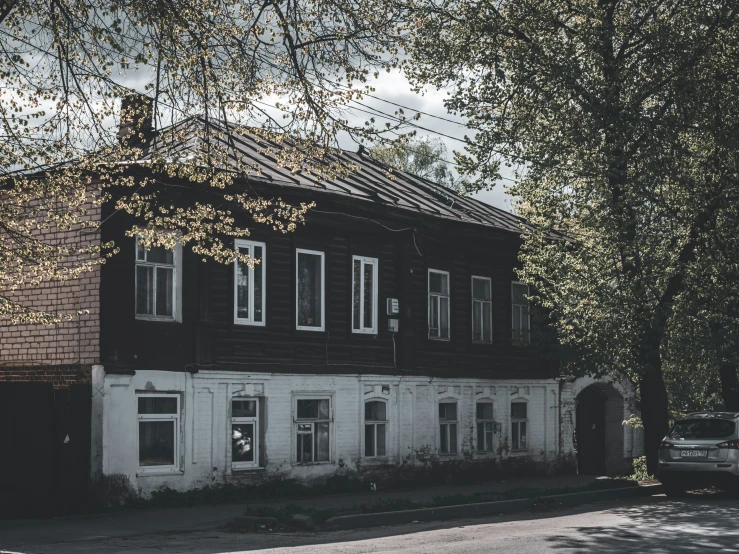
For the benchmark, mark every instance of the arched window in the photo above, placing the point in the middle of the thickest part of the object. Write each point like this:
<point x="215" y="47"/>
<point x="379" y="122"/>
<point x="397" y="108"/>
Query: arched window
<point x="519" y="425"/>
<point x="375" y="428"/>
<point x="448" y="427"/>
<point x="485" y="426"/>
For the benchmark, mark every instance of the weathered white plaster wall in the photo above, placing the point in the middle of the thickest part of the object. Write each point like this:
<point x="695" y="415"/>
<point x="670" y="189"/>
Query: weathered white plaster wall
<point x="412" y="413"/>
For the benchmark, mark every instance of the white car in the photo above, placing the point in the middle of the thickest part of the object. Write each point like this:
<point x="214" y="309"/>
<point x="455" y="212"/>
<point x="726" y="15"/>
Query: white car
<point x="701" y="449"/>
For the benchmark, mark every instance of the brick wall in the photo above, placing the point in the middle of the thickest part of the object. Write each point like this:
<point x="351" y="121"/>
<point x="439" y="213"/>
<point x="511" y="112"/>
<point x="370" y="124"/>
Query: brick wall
<point x="72" y="346"/>
<point x="58" y="375"/>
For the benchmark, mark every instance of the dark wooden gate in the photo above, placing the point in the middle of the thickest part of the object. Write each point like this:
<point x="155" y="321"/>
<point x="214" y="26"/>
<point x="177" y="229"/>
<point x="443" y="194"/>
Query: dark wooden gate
<point x="591" y="432"/>
<point x="44" y="448"/>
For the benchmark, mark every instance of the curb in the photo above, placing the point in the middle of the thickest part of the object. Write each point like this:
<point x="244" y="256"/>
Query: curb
<point x="487" y="508"/>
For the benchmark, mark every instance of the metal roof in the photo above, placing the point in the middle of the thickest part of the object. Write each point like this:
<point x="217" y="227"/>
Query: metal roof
<point x="373" y="181"/>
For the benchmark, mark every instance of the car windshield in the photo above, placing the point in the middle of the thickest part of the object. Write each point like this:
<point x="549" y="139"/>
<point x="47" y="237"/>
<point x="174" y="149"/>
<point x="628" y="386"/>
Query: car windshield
<point x="702" y="429"/>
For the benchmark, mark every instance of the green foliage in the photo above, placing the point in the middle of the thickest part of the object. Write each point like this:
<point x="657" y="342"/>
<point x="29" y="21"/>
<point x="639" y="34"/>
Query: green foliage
<point x="425" y="157"/>
<point x="285" y="71"/>
<point x="640" y="470"/>
<point x="620" y="119"/>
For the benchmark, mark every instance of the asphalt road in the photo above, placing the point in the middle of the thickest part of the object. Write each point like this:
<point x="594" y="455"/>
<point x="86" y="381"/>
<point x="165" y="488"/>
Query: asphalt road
<point x="698" y="523"/>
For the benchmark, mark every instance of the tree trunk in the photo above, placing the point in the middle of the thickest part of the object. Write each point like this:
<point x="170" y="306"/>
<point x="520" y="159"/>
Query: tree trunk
<point x="729" y="386"/>
<point x="653" y="412"/>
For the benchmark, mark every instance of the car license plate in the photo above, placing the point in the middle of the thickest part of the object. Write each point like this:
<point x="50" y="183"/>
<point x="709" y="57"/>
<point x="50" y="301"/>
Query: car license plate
<point x="694" y="453"/>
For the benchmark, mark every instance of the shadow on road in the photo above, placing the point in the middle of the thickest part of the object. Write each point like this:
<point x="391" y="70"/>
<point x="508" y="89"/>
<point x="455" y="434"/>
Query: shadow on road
<point x="697" y="523"/>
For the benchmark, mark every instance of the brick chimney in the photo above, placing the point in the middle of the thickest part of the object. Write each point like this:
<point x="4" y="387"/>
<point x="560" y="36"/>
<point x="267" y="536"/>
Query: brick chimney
<point x="137" y="126"/>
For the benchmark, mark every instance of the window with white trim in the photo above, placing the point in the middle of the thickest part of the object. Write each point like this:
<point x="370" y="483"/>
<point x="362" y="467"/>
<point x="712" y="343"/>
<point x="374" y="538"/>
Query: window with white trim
<point x="482" y="310"/>
<point x="313" y="426"/>
<point x="521" y="319"/>
<point x="448" y="427"/>
<point x="519" y="425"/>
<point x="244" y="433"/>
<point x="364" y="295"/>
<point x="485" y="426"/>
<point x="309" y="290"/>
<point x="156" y="282"/>
<point x="159" y="431"/>
<point x="438" y="304"/>
<point x="375" y="428"/>
<point x="249" y="283"/>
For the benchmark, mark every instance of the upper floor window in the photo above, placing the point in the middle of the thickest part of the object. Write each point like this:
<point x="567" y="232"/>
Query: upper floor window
<point x="521" y="320"/>
<point x="482" y="310"/>
<point x="310" y="290"/>
<point x="438" y="304"/>
<point x="519" y="425"/>
<point x="156" y="282"/>
<point x="364" y="295"/>
<point x="448" y="427"/>
<point x="485" y="426"/>
<point x="159" y="431"/>
<point x="375" y="427"/>
<point x="244" y="433"/>
<point x="249" y="283"/>
<point x="313" y="426"/>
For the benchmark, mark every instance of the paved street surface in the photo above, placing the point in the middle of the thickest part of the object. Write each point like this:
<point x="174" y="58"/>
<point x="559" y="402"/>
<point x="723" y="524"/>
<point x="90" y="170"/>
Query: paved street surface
<point x="699" y="523"/>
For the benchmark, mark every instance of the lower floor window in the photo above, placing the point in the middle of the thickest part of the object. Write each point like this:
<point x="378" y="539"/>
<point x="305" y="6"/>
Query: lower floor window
<point x="375" y="426"/>
<point x="158" y="422"/>
<point x="519" y="426"/>
<point x="313" y="430"/>
<point x="485" y="426"/>
<point x="448" y="427"/>
<point x="244" y="433"/>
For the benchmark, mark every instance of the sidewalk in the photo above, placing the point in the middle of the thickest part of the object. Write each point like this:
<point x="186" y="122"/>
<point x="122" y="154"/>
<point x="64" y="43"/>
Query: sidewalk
<point x="14" y="534"/>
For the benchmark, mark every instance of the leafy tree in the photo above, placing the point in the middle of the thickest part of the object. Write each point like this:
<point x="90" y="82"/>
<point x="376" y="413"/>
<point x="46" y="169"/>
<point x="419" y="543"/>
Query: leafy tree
<point x="288" y="70"/>
<point x="423" y="157"/>
<point x="622" y="118"/>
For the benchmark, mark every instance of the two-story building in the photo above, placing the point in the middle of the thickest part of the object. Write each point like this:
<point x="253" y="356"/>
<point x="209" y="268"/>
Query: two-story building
<point x="390" y="329"/>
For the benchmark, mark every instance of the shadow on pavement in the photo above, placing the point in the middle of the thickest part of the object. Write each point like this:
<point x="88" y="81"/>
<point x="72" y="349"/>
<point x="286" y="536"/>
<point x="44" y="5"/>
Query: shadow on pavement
<point x="705" y="522"/>
<point x="697" y="523"/>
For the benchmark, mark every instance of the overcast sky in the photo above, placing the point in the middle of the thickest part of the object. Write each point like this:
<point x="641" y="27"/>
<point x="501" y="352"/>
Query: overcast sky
<point x="394" y="87"/>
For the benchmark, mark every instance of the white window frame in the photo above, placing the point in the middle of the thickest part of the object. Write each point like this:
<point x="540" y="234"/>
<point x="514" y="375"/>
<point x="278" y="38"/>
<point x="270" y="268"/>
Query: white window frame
<point x="485" y="421"/>
<point x="374" y="262"/>
<point x="374" y="424"/>
<point x="299" y="327"/>
<point x="158" y="418"/>
<point x="254" y="421"/>
<point x="516" y="421"/>
<point x="482" y="312"/>
<point x="175" y="266"/>
<point x="447" y="423"/>
<point x="517" y="334"/>
<point x="297" y="422"/>
<point x="435" y="297"/>
<point x="262" y="266"/>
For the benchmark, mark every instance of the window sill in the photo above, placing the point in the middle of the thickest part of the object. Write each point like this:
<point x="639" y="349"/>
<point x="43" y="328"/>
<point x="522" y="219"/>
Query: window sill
<point x="242" y="323"/>
<point x="156" y="318"/>
<point x="254" y="469"/>
<point x="375" y="460"/>
<point x="305" y="464"/>
<point x="437" y="339"/>
<point x="147" y="472"/>
<point x="485" y="453"/>
<point x="518" y="452"/>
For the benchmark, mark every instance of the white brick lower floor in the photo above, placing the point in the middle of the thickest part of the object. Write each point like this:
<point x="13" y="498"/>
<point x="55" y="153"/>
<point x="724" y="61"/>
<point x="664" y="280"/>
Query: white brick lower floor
<point x="308" y="427"/>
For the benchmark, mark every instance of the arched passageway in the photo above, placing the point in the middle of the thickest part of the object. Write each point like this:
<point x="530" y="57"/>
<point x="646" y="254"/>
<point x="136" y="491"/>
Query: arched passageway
<point x="600" y="432"/>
